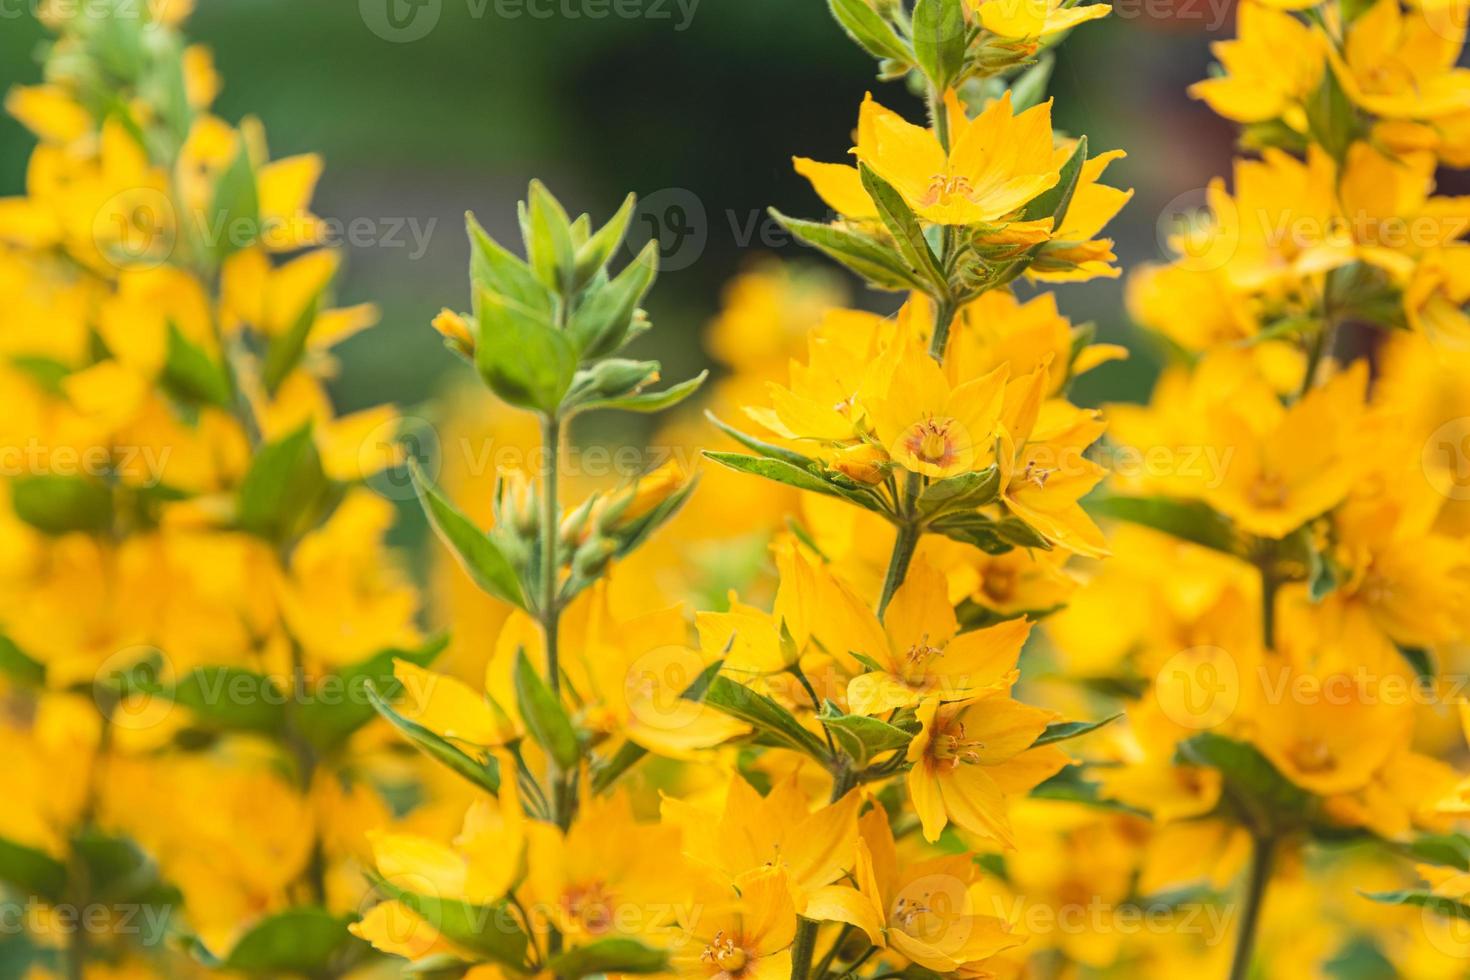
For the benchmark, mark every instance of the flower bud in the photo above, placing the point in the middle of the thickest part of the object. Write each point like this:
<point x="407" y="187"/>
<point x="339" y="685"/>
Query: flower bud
<point x="865" y="463"/>
<point x="456" y="331"/>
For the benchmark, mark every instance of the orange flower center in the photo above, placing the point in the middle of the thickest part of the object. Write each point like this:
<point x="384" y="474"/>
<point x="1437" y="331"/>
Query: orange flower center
<point x="589" y="905"/>
<point x="932" y="441"/>
<point x="918" y="658"/>
<point x="1036" y="475"/>
<point x="947" y="185"/>
<point x="1312" y="755"/>
<point x="1269" y="490"/>
<point x="999" y="583"/>
<point x="952" y="748"/>
<point x="723" y="953"/>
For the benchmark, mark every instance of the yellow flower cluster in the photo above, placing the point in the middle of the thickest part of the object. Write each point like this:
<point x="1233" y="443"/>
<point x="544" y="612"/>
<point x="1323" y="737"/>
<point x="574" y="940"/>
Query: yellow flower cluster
<point x="799" y="721"/>
<point x="196" y="589"/>
<point x="1288" y="596"/>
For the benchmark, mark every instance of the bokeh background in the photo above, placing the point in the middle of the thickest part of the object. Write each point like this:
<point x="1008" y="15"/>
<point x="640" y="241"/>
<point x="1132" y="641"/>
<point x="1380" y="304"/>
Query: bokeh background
<point x="426" y="108"/>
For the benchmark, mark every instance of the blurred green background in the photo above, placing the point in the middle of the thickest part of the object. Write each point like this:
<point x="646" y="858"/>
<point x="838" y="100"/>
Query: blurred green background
<point x="702" y="106"/>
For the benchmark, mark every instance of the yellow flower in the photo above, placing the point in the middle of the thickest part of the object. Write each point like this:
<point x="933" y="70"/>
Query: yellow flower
<point x="607" y="875"/>
<point x="1402" y="64"/>
<point x="1288" y="465"/>
<point x="1272" y="66"/>
<point x="919" y="652"/>
<point x="780" y="830"/>
<point x="739" y="934"/>
<point x="922" y="910"/>
<point x="1330" y="733"/>
<point x="998" y="162"/>
<point x="484" y="863"/>
<point x="930" y="427"/>
<point x="970" y="756"/>
<point x="448" y="707"/>
<point x="1436" y="296"/>
<point x="1075" y="253"/>
<point x="1042" y="467"/>
<point x="1020" y="19"/>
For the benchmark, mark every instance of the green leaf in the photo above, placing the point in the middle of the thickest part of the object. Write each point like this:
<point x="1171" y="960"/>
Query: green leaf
<point x="31" y="871"/>
<point x="284" y="489"/>
<point x="1331" y="117"/>
<point x="783" y="472"/>
<point x="625" y="758"/>
<point x="769" y="450"/>
<point x="1054" y="202"/>
<point x="646" y="402"/>
<point x="1447" y="850"/>
<point x="1029" y="89"/>
<point x="57" y="504"/>
<point x="990" y="536"/>
<point x="862" y="738"/>
<point x="339" y="705"/>
<point x="765" y="715"/>
<point x="872" y="33"/>
<point x="1066" y="730"/>
<point x="617" y="955"/>
<point x="299" y="940"/>
<point x="903" y="224"/>
<point x="492" y="931"/>
<point x="1442" y="905"/>
<point x="234" y="217"/>
<point x="940" y="39"/>
<point x="545" y="718"/>
<point x="495" y="269"/>
<point x="485" y="775"/>
<point x="231" y="699"/>
<point x="19" y="666"/>
<point x="285" y="351"/>
<point x="1190" y="520"/>
<point x="599" y="326"/>
<point x="1419" y="658"/>
<point x="521" y="356"/>
<point x="597" y="250"/>
<point x="963" y="492"/>
<point x="1070" y="784"/>
<point x="549" y="240"/>
<point x="191" y="373"/>
<point x="1250" y="778"/>
<point x="863" y="254"/>
<point x="118" y="870"/>
<point x="46" y="372"/>
<point x="475" y="551"/>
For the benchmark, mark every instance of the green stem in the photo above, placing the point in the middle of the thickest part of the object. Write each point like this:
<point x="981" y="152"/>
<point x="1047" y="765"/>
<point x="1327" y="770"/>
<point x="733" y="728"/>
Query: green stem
<point x="550" y="533"/>
<point x="1321" y="344"/>
<point x="825" y="963"/>
<point x="898" y="563"/>
<point x="802" y="948"/>
<point x="1262" y="858"/>
<point x="943" y="318"/>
